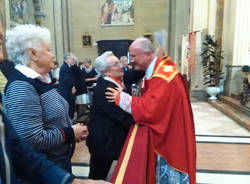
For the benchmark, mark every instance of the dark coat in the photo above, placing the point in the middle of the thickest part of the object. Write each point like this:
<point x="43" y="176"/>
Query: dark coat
<point x="90" y="74"/>
<point x="108" y="125"/>
<point x="132" y="76"/>
<point x="79" y="75"/>
<point x="66" y="82"/>
<point x="7" y="67"/>
<point x="25" y="162"/>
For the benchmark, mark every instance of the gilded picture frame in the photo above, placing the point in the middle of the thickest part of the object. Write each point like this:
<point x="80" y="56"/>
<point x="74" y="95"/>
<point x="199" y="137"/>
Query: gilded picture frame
<point x="86" y="40"/>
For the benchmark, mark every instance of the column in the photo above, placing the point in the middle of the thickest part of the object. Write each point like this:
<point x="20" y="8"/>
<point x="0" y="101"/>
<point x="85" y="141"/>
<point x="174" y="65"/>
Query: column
<point x="242" y="33"/>
<point x="236" y="39"/>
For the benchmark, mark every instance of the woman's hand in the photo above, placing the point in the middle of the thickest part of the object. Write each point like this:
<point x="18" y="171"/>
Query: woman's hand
<point x="81" y="132"/>
<point x="112" y="93"/>
<point x="89" y="181"/>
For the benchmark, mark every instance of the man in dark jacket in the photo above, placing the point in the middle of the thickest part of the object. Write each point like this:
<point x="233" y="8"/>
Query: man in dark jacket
<point x="67" y="82"/>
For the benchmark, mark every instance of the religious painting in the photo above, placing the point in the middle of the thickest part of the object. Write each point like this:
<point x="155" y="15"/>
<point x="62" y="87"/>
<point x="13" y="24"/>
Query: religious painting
<point x="86" y="41"/>
<point x="116" y="12"/>
<point x="18" y="11"/>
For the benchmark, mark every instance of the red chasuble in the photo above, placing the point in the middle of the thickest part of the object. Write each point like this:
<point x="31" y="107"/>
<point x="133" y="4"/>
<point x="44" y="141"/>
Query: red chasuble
<point x="164" y="126"/>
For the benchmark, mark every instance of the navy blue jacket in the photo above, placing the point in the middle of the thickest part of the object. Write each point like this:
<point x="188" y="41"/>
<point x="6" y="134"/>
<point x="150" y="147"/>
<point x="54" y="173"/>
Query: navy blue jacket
<point x="66" y="82"/>
<point x="25" y="163"/>
<point x="79" y="75"/>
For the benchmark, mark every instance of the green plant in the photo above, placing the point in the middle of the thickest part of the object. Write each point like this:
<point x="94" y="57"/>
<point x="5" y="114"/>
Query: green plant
<point x="245" y="68"/>
<point x="211" y="61"/>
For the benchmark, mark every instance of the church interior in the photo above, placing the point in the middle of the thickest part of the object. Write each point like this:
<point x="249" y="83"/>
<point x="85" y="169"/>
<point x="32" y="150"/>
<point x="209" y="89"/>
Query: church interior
<point x="195" y="31"/>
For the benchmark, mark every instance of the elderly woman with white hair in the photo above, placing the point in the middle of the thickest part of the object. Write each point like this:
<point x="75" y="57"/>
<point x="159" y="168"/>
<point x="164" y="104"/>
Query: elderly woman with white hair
<point x="109" y="125"/>
<point x="35" y="109"/>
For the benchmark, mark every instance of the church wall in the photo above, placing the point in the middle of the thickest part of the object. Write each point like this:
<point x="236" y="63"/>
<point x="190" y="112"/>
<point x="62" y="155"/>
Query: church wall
<point x="150" y="16"/>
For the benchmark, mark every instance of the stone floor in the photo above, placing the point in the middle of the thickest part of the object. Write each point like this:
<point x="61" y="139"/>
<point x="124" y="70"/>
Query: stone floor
<point x="223" y="149"/>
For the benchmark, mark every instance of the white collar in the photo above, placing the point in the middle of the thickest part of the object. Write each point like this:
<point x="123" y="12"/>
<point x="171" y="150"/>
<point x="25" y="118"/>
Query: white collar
<point x="30" y="73"/>
<point x="113" y="81"/>
<point x="150" y="68"/>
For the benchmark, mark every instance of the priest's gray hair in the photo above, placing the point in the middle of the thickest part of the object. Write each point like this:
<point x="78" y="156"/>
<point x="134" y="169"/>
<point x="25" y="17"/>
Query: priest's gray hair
<point x="102" y="62"/>
<point x="22" y="37"/>
<point x="145" y="45"/>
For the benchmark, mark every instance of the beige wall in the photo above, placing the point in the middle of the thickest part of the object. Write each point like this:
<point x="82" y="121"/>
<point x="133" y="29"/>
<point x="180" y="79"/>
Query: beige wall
<point x="150" y="16"/>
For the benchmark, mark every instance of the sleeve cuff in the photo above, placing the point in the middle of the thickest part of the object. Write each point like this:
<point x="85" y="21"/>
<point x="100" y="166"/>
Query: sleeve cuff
<point x="68" y="134"/>
<point x="117" y="100"/>
<point x="123" y="100"/>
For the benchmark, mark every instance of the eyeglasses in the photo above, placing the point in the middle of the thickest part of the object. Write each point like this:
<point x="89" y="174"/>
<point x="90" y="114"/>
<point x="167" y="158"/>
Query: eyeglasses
<point x="115" y="64"/>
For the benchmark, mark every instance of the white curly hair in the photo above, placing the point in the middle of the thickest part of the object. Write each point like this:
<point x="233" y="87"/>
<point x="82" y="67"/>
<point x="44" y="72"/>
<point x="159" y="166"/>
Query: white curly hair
<point x="22" y="37"/>
<point x="102" y="62"/>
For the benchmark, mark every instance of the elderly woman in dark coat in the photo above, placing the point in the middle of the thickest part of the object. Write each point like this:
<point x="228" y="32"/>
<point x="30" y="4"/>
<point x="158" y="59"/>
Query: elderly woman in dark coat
<point x="108" y="125"/>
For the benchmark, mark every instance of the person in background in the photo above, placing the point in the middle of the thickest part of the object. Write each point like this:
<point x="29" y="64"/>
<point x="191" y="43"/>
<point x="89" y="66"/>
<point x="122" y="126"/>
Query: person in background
<point x="82" y="98"/>
<point x="3" y="82"/>
<point x="124" y="61"/>
<point x="67" y="83"/>
<point x="160" y="52"/>
<point x="35" y="109"/>
<point x="81" y="65"/>
<point x="6" y="68"/>
<point x="91" y="77"/>
<point x="164" y="123"/>
<point x="90" y="72"/>
<point x="18" y="159"/>
<point x="55" y="73"/>
<point x="53" y="80"/>
<point x="108" y="124"/>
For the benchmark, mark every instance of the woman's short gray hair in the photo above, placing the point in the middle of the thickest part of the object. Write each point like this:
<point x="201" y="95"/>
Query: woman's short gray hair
<point x="22" y="37"/>
<point x="101" y="62"/>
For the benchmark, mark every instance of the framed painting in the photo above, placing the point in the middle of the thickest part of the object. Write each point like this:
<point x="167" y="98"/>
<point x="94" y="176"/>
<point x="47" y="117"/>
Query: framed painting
<point x="116" y="12"/>
<point x="86" y="40"/>
<point x="18" y="11"/>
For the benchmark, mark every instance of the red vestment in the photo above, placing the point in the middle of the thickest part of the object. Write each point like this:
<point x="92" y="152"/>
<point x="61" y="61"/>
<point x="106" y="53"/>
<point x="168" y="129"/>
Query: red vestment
<point x="164" y="126"/>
